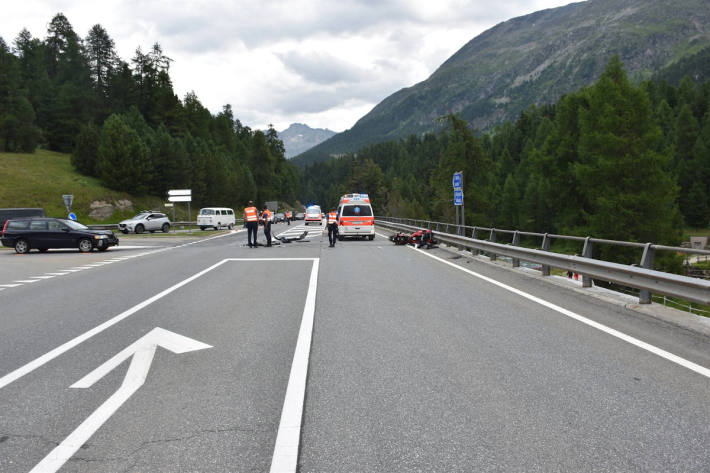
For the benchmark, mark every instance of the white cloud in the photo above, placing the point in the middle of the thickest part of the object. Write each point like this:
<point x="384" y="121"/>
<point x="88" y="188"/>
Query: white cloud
<point x="321" y="62"/>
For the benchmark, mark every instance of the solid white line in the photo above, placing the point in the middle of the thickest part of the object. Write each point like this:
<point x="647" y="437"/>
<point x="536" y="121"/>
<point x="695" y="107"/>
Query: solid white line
<point x="614" y="333"/>
<point x="10" y="285"/>
<point x="49" y="356"/>
<point x="56" y="274"/>
<point x="41" y="277"/>
<point x="272" y="259"/>
<point x="27" y="281"/>
<point x="136" y="247"/>
<point x="285" y="457"/>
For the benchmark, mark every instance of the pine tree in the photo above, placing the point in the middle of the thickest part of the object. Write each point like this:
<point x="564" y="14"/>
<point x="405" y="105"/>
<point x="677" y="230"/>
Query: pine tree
<point x="103" y="61"/>
<point x="621" y="170"/>
<point x="18" y="131"/>
<point x="697" y="214"/>
<point x="124" y="160"/>
<point x="85" y="155"/>
<point x="508" y="211"/>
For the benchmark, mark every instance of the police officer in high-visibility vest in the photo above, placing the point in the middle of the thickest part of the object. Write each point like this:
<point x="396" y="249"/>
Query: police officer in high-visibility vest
<point x="332" y="225"/>
<point x="288" y="217"/>
<point x="266" y="219"/>
<point x="251" y="220"/>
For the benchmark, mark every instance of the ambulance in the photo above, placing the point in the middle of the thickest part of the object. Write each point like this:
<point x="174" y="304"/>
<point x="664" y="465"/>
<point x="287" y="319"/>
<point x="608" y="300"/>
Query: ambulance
<point x="355" y="217"/>
<point x="313" y="215"/>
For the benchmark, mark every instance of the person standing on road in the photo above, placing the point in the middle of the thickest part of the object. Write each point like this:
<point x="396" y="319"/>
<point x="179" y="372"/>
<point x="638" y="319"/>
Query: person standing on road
<point x="266" y="218"/>
<point x="332" y="226"/>
<point x="251" y="220"/>
<point x="288" y="217"/>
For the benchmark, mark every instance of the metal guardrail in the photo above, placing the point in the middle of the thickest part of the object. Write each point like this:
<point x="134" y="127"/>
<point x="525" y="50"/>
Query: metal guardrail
<point x="641" y="277"/>
<point x="114" y="226"/>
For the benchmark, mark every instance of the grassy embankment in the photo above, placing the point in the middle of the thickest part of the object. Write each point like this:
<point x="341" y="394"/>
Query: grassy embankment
<point x="40" y="179"/>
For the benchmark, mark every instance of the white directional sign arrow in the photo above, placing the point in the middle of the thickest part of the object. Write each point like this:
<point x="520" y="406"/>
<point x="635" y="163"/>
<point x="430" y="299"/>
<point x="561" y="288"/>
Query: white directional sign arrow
<point x="142" y="352"/>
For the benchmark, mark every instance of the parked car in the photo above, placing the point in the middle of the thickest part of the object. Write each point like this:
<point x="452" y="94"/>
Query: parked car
<point x="299" y="216"/>
<point x="279" y="217"/>
<point x="147" y="220"/>
<point x="42" y="233"/>
<point x="9" y="214"/>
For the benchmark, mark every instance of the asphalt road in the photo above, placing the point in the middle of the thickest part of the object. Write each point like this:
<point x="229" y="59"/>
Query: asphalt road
<point x="190" y="355"/>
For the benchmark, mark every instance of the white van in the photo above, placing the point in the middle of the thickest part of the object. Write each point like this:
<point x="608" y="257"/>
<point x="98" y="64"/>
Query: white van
<point x="215" y="217"/>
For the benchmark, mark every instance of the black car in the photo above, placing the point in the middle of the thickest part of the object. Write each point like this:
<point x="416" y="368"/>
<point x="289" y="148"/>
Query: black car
<point x="25" y="234"/>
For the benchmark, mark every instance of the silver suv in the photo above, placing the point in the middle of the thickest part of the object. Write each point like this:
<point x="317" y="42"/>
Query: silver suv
<point x="147" y="220"/>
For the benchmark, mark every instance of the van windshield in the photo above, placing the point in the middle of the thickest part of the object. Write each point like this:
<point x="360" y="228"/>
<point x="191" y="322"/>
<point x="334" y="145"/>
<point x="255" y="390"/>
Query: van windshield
<point x="206" y="212"/>
<point x="357" y="211"/>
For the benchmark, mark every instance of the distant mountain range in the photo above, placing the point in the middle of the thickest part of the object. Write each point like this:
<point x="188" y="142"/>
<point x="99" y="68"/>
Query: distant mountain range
<point x="534" y="59"/>
<point x="298" y="138"/>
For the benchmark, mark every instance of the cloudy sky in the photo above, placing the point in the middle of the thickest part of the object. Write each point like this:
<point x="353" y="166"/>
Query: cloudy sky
<point x="325" y="63"/>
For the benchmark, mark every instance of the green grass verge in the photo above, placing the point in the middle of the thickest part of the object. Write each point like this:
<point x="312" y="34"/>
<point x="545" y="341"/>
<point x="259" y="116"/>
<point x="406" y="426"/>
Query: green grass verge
<point x="41" y="178"/>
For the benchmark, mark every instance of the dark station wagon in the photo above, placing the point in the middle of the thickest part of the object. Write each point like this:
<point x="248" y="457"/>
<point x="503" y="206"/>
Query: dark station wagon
<point x="25" y="234"/>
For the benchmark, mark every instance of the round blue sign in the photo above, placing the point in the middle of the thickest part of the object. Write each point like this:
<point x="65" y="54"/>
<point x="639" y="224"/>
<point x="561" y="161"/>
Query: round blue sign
<point x="72" y="216"/>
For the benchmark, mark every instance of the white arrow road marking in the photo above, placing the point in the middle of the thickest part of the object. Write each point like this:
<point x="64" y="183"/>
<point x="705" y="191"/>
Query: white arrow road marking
<point x="142" y="352"/>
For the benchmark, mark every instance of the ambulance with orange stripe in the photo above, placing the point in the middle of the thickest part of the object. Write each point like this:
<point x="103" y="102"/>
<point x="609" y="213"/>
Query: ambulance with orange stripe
<point x="355" y="217"/>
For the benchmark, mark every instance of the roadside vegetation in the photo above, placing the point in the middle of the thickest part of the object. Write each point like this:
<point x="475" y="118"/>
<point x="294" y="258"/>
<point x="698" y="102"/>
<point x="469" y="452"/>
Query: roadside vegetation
<point x="40" y="179"/>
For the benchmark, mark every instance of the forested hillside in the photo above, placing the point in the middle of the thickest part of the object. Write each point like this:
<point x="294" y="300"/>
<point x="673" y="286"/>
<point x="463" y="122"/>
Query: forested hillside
<point x="123" y="123"/>
<point x="614" y="160"/>
<point x="534" y="60"/>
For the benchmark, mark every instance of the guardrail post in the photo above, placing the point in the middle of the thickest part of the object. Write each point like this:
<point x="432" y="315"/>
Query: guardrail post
<point x="647" y="263"/>
<point x="516" y="242"/>
<point x="474" y="236"/>
<point x="587" y="253"/>
<point x="545" y="270"/>
<point x="492" y="239"/>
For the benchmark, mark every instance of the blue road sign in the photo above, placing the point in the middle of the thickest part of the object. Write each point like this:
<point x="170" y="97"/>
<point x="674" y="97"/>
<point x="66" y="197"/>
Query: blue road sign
<point x="72" y="216"/>
<point x="458" y="180"/>
<point x="458" y="197"/>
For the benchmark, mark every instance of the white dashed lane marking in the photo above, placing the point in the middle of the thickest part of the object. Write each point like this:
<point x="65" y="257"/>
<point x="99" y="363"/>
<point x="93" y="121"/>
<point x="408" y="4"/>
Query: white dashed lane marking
<point x="98" y="264"/>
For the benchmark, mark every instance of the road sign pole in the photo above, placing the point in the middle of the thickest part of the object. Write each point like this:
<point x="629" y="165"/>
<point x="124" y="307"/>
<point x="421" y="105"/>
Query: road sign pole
<point x="463" y="206"/>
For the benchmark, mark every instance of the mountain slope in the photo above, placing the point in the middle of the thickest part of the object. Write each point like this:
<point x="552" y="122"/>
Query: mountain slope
<point x="534" y="59"/>
<point x="298" y="138"/>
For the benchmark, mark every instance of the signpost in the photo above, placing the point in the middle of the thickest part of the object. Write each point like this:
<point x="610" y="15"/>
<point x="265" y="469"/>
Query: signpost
<point x="458" y="180"/>
<point x="68" y="199"/>
<point x="457" y="183"/>
<point x="181" y="195"/>
<point x="458" y="197"/>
